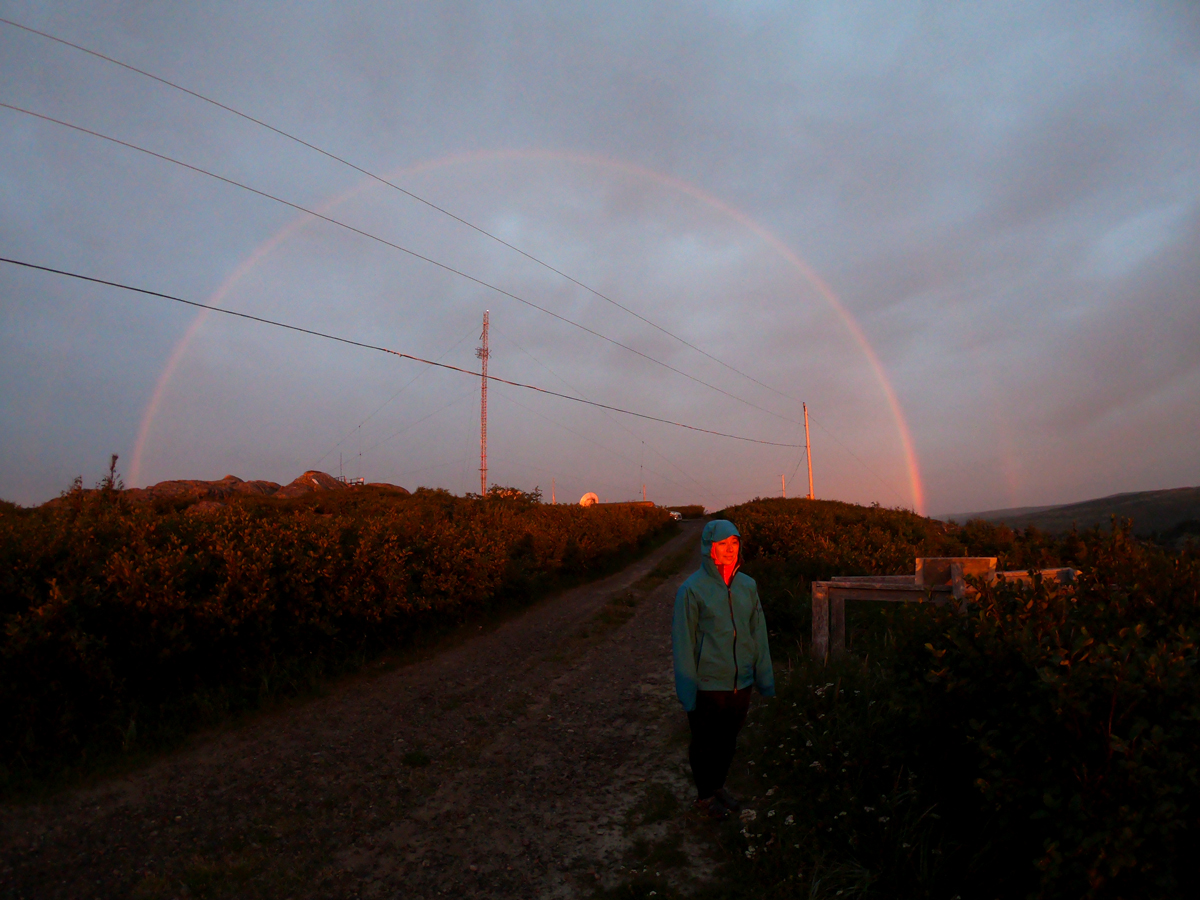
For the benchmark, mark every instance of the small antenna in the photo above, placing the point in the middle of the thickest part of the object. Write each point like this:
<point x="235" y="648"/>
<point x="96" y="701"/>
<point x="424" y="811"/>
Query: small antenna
<point x="641" y="473"/>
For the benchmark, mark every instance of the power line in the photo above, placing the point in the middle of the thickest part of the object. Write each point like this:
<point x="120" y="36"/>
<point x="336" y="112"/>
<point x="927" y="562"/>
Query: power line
<point x="443" y="211"/>
<point x="469" y="392"/>
<point x="409" y="356"/>
<point x="861" y="462"/>
<point x="547" y="469"/>
<point x="379" y="178"/>
<point x="596" y="443"/>
<point x="616" y="422"/>
<point x="374" y="412"/>
<point x="351" y="228"/>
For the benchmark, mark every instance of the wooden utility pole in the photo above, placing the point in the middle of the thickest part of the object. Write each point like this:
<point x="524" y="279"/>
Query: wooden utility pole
<point x="483" y="353"/>
<point x="783" y="478"/>
<point x="552" y="500"/>
<point x="807" y="451"/>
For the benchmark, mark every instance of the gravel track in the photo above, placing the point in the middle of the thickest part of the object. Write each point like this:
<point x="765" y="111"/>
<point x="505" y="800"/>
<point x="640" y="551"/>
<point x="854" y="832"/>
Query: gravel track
<point x="543" y="758"/>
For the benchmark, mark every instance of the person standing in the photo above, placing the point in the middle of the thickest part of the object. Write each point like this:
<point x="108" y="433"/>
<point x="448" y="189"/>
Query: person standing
<point x="719" y="643"/>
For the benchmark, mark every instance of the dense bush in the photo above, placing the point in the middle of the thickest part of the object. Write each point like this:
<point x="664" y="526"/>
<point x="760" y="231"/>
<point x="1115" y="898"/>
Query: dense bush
<point x="125" y="623"/>
<point x="1046" y="744"/>
<point x="788" y="544"/>
<point x="821" y="538"/>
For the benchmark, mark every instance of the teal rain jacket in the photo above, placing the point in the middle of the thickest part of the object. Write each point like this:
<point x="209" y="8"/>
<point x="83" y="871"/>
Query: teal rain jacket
<point x="719" y="633"/>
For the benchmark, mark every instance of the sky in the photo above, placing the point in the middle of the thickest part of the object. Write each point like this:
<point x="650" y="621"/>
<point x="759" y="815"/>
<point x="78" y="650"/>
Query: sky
<point x="967" y="236"/>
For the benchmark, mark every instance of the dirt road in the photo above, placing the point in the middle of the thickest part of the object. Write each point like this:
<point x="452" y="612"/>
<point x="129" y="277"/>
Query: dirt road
<point x="543" y="758"/>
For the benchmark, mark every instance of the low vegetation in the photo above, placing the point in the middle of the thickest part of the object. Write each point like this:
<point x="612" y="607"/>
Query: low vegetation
<point x="128" y="625"/>
<point x="1044" y="745"/>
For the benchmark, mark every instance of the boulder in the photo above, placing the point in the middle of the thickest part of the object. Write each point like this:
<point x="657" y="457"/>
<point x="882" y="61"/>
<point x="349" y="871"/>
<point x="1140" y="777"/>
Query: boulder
<point x="392" y="488"/>
<point x="264" y="488"/>
<point x="309" y="483"/>
<point x="202" y="490"/>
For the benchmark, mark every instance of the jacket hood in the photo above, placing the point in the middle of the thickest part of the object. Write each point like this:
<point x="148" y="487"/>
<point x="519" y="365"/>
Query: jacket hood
<point x="717" y="530"/>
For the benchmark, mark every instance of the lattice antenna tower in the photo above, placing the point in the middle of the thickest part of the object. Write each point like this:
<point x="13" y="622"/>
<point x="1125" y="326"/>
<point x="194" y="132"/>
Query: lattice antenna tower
<point x="483" y="353"/>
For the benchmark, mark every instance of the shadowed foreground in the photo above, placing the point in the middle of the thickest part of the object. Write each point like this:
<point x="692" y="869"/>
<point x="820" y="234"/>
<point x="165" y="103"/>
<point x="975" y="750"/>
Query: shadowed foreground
<point x="539" y="759"/>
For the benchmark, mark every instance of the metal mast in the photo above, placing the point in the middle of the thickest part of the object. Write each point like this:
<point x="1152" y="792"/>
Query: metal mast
<point x="641" y="473"/>
<point x="482" y="353"/>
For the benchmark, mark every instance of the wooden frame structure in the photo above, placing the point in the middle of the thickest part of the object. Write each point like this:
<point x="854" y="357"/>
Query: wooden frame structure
<point x="936" y="580"/>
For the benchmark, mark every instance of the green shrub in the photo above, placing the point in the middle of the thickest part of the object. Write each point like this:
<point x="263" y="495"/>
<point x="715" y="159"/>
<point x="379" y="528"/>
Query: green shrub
<point x="127" y="624"/>
<point x="1043" y="745"/>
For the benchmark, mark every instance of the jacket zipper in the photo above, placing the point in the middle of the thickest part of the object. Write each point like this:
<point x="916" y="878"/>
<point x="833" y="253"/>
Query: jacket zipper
<point x="729" y="595"/>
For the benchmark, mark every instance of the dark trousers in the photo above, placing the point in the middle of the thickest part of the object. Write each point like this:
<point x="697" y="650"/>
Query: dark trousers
<point x="715" y="724"/>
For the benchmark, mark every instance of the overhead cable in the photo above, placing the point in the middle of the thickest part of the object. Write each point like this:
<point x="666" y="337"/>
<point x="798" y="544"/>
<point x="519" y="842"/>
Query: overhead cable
<point x="616" y="422"/>
<point x="342" y="161"/>
<point x="891" y="487"/>
<point x="441" y="409"/>
<point x="592" y="441"/>
<point x="441" y="265"/>
<point x="374" y="412"/>
<point x="379" y="178"/>
<point x="377" y="348"/>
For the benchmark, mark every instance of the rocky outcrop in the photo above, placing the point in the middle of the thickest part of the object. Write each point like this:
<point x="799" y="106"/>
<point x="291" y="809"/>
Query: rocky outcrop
<point x="202" y="490"/>
<point x="210" y="494"/>
<point x="311" y="482"/>
<point x="384" y="486"/>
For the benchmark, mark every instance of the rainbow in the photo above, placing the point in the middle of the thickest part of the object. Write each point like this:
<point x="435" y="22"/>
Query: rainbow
<point x="916" y="486"/>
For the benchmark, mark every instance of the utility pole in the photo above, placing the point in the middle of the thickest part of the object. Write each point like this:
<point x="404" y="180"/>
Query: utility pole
<point x="482" y="353"/>
<point x="783" y="478"/>
<point x="807" y="451"/>
<point x="552" y="500"/>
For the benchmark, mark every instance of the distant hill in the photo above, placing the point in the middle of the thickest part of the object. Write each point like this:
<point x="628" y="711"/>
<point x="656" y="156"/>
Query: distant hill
<point x="1151" y="511"/>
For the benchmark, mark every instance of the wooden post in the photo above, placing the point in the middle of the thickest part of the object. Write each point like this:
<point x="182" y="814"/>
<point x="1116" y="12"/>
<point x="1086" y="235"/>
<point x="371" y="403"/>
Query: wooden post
<point x="939" y="580"/>
<point x="837" y="626"/>
<point x="958" y="586"/>
<point x="807" y="451"/>
<point x="820" y="621"/>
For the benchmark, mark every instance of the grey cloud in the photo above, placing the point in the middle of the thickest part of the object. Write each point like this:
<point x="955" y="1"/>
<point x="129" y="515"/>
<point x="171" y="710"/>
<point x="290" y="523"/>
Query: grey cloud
<point x="1003" y="198"/>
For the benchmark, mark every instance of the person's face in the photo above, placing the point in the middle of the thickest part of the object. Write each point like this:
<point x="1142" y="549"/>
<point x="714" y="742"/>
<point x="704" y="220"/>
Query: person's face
<point x="725" y="553"/>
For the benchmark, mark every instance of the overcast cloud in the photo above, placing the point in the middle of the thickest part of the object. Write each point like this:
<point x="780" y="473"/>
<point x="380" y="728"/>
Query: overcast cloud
<point x="1004" y="200"/>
